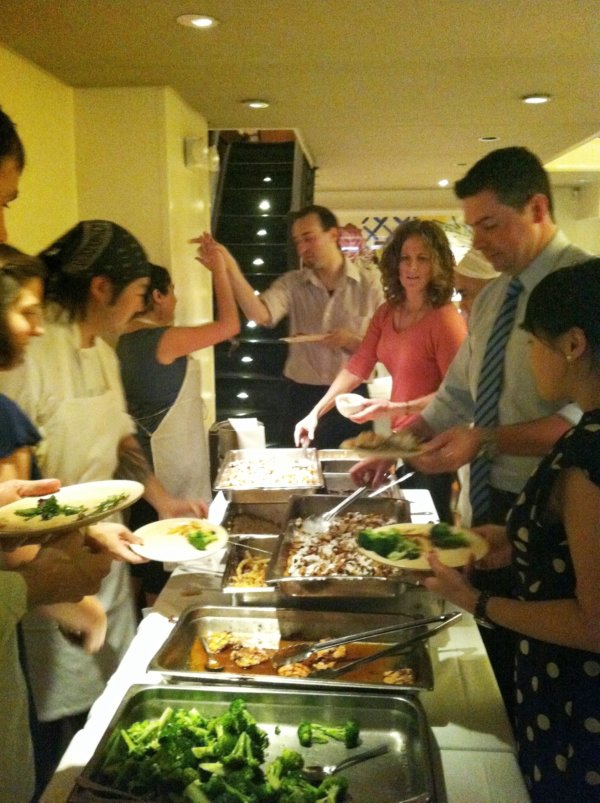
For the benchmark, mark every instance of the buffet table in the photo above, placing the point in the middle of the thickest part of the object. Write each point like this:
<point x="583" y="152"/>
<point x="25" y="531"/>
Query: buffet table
<point x="464" y="710"/>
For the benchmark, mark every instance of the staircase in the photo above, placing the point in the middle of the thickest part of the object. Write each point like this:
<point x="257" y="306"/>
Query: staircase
<point x="260" y="182"/>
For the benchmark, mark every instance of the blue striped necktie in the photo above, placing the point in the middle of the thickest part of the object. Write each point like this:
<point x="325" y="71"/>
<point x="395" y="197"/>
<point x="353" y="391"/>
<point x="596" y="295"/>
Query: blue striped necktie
<point x="488" y="396"/>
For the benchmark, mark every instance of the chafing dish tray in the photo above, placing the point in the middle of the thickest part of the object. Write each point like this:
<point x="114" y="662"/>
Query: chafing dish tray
<point x="183" y="658"/>
<point x="245" y="566"/>
<point x="410" y="770"/>
<point x="261" y="475"/>
<point x="333" y="567"/>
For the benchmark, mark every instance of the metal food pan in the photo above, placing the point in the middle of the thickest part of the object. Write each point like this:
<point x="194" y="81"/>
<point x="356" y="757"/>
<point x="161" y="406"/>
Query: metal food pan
<point x="269" y="490"/>
<point x="268" y="627"/>
<point x="247" y="518"/>
<point x="337" y="585"/>
<point x="410" y="770"/>
<point x="236" y="554"/>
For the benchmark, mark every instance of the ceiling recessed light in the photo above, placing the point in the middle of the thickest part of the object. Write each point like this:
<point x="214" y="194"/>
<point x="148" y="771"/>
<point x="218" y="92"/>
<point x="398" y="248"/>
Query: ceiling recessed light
<point x="489" y="139"/>
<point x="200" y="21"/>
<point x="536" y="99"/>
<point x="255" y="103"/>
<point x="267" y="179"/>
<point x="443" y="182"/>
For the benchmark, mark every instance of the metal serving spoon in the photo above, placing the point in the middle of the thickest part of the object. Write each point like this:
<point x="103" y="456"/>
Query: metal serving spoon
<point x="316" y="773"/>
<point x="212" y="663"/>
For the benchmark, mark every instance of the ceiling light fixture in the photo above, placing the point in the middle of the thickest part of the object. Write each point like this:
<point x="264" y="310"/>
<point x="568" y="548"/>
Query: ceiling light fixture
<point x="489" y="139"/>
<point x="199" y="21"/>
<point x="443" y="182"/>
<point x="535" y="100"/>
<point x="256" y="103"/>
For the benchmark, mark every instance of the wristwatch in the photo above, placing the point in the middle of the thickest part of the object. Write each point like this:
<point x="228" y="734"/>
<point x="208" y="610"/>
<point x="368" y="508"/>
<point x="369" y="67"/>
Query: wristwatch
<point x="488" y="447"/>
<point x="480" y="612"/>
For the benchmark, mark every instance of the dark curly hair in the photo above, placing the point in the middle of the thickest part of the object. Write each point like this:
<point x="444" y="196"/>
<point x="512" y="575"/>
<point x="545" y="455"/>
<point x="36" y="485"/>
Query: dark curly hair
<point x="439" y="289"/>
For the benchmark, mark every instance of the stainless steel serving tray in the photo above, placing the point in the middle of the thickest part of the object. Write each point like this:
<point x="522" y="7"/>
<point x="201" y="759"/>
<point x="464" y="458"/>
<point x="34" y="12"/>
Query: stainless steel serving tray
<point x="337" y="585"/>
<point x="267" y="627"/>
<point x="411" y="770"/>
<point x="273" y="489"/>
<point x="236" y="554"/>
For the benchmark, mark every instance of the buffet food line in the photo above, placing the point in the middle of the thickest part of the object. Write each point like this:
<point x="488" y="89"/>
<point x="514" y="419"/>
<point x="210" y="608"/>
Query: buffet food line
<point x="256" y="608"/>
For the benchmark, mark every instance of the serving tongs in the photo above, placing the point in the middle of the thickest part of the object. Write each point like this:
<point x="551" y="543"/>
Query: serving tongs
<point x="299" y="652"/>
<point x="317" y="524"/>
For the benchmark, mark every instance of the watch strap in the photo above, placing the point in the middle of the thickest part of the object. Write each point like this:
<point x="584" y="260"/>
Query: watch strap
<point x="480" y="612"/>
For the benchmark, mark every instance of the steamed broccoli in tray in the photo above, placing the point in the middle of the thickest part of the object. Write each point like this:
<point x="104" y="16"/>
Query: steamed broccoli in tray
<point x="184" y="755"/>
<point x="310" y="733"/>
<point x="389" y="543"/>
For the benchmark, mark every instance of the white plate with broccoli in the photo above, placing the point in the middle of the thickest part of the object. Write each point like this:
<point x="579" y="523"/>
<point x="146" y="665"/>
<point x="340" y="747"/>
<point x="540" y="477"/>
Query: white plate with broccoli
<point x="178" y="540"/>
<point x="406" y="546"/>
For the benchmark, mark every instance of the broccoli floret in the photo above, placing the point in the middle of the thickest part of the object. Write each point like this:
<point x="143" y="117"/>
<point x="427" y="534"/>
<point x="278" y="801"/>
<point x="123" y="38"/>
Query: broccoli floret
<point x="309" y="734"/>
<point x="332" y="789"/>
<point x="288" y="761"/>
<point x="296" y="789"/>
<point x="380" y="541"/>
<point x="444" y="537"/>
<point x="243" y="754"/>
<point x="314" y="733"/>
<point x="194" y="793"/>
<point x="213" y="767"/>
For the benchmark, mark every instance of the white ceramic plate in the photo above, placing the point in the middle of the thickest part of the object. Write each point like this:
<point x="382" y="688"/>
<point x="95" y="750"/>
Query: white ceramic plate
<point x="79" y="505"/>
<point x="478" y="547"/>
<point x="166" y="540"/>
<point x="314" y="338"/>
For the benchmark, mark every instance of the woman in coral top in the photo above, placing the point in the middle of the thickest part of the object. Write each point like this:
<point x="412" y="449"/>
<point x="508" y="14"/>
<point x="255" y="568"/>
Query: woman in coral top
<point x="415" y="334"/>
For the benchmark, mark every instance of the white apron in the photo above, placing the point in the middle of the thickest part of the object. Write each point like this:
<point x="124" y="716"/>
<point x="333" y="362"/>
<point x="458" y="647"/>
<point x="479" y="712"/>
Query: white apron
<point x="64" y="679"/>
<point x="179" y="448"/>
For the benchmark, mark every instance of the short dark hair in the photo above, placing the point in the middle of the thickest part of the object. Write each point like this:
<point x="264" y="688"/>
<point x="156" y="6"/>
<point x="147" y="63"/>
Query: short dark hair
<point x="439" y="289"/>
<point x="16" y="269"/>
<point x="160" y="279"/>
<point x="327" y="218"/>
<point x="567" y="298"/>
<point x="514" y="174"/>
<point x="11" y="146"/>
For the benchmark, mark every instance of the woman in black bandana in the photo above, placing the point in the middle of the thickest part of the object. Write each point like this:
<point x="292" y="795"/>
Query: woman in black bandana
<point x="97" y="275"/>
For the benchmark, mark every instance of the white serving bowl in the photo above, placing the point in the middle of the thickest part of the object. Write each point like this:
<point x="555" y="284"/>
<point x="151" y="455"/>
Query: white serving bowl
<point x="349" y="403"/>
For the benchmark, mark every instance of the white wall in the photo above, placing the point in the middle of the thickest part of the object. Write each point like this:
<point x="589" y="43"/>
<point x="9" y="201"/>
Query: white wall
<point x="131" y="169"/>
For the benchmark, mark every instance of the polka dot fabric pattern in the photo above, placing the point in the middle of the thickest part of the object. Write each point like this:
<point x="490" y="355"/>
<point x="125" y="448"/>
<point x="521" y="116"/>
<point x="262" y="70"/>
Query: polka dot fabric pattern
<point x="557" y="719"/>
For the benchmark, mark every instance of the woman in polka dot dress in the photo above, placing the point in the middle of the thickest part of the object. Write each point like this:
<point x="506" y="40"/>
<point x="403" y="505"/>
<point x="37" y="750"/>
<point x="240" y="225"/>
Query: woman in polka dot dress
<point x="552" y="537"/>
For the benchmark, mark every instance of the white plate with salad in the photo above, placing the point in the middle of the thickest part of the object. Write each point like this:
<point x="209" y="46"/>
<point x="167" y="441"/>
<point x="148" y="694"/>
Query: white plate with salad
<point x="179" y="540"/>
<point x="73" y="506"/>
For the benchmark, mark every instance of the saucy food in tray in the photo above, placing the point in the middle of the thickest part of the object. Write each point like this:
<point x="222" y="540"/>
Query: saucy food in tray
<point x="235" y="655"/>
